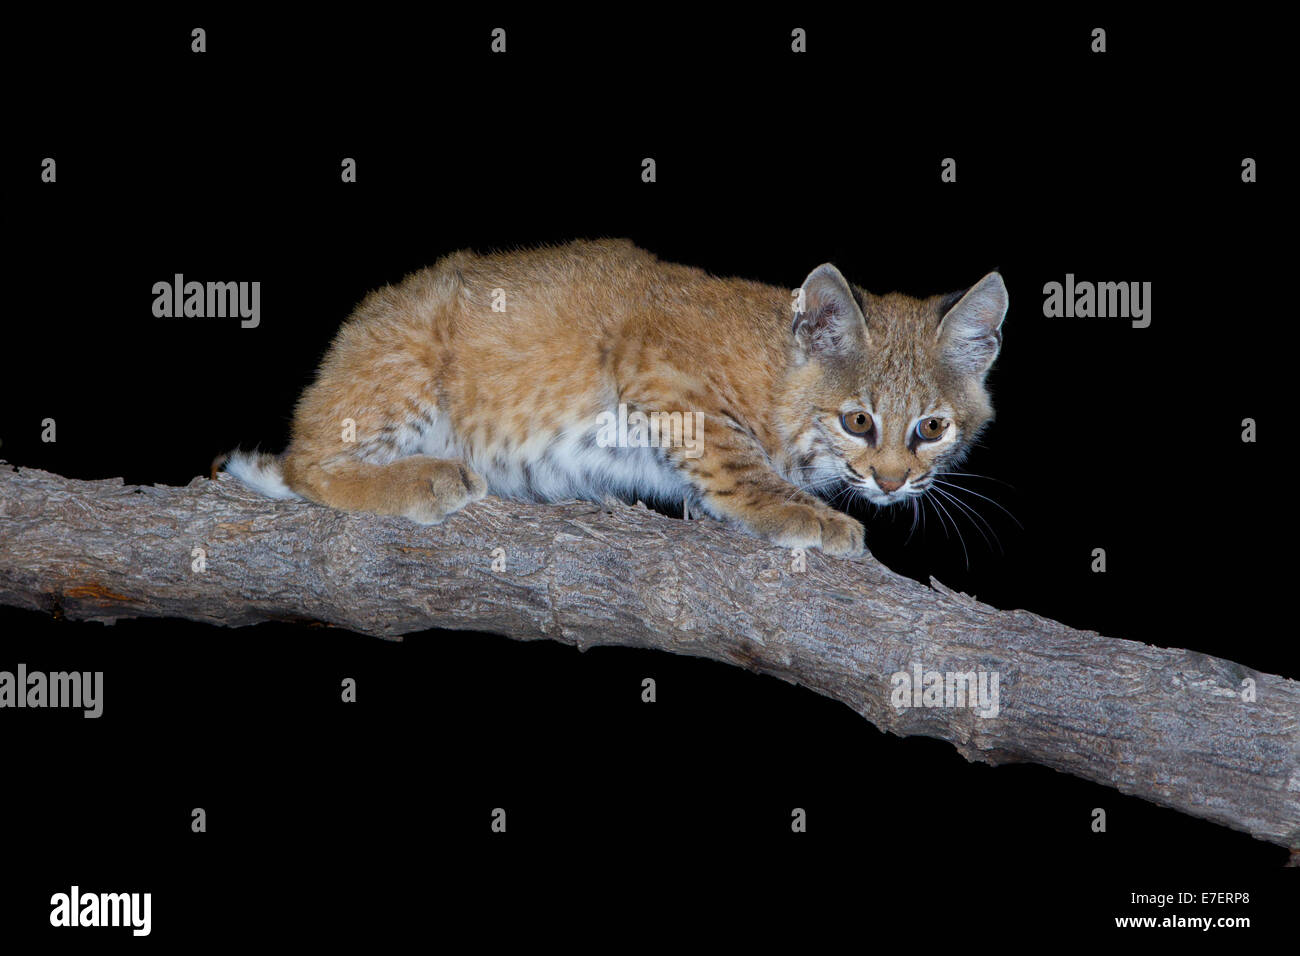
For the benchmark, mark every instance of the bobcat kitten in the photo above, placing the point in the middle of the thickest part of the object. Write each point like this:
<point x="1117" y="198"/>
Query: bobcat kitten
<point x="503" y="372"/>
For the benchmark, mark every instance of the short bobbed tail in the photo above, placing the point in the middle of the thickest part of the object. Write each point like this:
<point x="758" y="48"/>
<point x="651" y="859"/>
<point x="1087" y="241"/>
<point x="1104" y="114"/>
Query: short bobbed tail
<point x="259" y="470"/>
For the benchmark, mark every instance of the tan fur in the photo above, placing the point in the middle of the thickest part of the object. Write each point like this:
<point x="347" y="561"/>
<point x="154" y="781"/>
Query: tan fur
<point x="589" y="325"/>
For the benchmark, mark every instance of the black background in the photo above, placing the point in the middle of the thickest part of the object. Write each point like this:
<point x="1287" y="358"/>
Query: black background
<point x="627" y="820"/>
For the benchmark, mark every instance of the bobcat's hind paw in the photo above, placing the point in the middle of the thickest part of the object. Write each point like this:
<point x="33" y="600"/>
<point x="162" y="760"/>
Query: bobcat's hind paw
<point x="444" y="488"/>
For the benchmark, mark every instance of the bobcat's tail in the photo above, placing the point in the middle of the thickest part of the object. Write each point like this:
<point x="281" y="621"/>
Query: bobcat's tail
<point x="257" y="469"/>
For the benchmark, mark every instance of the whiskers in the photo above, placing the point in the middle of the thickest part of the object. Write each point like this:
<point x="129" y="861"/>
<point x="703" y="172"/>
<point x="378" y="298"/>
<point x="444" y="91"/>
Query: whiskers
<point x="818" y="486"/>
<point x="949" y="506"/>
<point x="954" y="486"/>
<point x="953" y="503"/>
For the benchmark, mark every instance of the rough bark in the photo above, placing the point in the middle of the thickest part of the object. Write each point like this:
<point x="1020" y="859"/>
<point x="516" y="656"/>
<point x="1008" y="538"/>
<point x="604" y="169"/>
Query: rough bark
<point x="1167" y="725"/>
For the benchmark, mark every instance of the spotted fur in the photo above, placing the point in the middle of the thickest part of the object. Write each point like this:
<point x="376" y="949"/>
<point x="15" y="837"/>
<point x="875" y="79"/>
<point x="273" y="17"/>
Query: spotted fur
<point x="429" y="397"/>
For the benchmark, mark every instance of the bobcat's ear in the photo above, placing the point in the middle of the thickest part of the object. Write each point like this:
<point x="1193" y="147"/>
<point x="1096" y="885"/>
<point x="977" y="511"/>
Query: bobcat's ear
<point x="831" y="320"/>
<point x="970" y="332"/>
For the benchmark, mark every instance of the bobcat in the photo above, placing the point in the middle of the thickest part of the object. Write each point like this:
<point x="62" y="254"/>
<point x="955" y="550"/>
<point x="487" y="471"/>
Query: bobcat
<point x="504" y="372"/>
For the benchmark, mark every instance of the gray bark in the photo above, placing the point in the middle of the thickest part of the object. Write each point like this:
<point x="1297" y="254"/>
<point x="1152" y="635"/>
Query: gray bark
<point x="1164" y="724"/>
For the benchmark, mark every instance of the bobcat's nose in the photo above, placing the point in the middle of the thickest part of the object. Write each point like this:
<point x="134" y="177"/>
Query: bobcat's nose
<point x="889" y="485"/>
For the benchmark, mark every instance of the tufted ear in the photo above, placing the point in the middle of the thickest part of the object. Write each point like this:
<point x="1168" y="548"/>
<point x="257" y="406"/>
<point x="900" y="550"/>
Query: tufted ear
<point x="831" y="320"/>
<point x="970" y="332"/>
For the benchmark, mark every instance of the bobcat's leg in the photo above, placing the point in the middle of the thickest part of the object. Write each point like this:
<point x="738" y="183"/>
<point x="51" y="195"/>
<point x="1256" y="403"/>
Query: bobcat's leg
<point x="374" y="403"/>
<point x="423" y="489"/>
<point x="735" y="481"/>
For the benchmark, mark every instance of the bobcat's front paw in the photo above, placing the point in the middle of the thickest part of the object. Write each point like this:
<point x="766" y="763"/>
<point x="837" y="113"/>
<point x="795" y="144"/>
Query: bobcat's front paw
<point x="806" y="526"/>
<point x="842" y="535"/>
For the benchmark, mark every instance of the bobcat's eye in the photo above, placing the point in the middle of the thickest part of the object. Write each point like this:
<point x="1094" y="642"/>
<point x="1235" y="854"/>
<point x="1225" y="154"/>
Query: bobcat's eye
<point x="857" y="424"/>
<point x="930" y="429"/>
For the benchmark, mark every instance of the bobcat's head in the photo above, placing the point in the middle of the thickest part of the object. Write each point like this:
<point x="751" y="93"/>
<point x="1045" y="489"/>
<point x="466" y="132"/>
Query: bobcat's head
<point x="885" y="392"/>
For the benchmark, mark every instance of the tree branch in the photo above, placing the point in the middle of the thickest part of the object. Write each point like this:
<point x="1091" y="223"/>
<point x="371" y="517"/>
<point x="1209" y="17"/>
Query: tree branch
<point x="1167" y="725"/>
